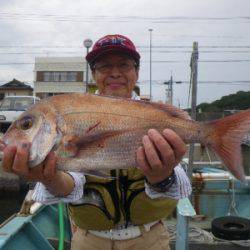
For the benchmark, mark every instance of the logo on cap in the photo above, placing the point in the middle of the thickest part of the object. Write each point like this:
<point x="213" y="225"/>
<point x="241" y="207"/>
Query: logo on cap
<point x="112" y="40"/>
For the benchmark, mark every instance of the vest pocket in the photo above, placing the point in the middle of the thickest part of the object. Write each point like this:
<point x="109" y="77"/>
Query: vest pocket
<point x="93" y="211"/>
<point x="142" y="209"/>
<point x="89" y="216"/>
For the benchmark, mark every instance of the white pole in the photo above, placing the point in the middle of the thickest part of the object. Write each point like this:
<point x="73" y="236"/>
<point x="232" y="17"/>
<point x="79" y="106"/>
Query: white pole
<point x="87" y="44"/>
<point x="150" y="63"/>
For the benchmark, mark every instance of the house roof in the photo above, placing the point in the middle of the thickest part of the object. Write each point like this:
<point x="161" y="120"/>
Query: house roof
<point x="15" y="84"/>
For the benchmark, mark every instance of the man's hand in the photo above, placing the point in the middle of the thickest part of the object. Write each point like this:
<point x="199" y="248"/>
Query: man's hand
<point x="15" y="160"/>
<point x="160" y="154"/>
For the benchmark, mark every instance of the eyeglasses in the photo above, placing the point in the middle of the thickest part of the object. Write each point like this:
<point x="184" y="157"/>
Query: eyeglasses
<point x="122" y="67"/>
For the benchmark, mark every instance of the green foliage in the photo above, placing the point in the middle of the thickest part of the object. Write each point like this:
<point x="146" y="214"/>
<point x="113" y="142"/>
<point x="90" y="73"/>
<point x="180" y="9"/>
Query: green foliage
<point x="238" y="101"/>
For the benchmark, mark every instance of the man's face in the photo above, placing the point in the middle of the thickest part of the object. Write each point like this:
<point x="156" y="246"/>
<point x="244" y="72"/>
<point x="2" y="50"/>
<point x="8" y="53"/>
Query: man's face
<point x="115" y="75"/>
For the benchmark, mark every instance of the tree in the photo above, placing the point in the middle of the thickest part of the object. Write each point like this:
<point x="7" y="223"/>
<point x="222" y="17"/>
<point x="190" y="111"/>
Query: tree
<point x="238" y="101"/>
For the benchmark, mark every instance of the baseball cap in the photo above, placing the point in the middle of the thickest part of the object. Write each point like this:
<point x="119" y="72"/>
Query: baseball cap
<point x="111" y="43"/>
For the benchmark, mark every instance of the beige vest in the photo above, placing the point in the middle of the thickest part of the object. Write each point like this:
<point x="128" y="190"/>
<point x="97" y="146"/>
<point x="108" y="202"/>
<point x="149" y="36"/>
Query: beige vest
<point x="107" y="202"/>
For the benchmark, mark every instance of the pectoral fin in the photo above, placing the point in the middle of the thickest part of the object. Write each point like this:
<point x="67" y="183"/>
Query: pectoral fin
<point x="95" y="141"/>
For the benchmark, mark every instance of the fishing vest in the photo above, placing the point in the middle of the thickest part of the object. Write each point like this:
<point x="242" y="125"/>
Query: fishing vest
<point x="109" y="202"/>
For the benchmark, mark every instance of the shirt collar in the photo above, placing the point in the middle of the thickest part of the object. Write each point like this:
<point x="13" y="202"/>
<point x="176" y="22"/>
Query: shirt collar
<point x="134" y="95"/>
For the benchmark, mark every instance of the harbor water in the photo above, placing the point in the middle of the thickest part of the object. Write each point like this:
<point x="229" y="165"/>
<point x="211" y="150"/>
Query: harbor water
<point x="10" y="203"/>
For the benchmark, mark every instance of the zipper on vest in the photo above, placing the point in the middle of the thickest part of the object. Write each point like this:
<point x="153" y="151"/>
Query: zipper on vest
<point x="129" y="201"/>
<point x="115" y="196"/>
<point x="123" y="185"/>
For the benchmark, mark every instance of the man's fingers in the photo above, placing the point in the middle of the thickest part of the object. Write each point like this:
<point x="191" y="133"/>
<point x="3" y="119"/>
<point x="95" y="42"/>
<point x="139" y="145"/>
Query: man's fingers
<point x="49" y="166"/>
<point x="8" y="158"/>
<point x="20" y="165"/>
<point x="142" y="161"/>
<point x="178" y="145"/>
<point x="166" y="151"/>
<point x="151" y="153"/>
<point x="2" y="145"/>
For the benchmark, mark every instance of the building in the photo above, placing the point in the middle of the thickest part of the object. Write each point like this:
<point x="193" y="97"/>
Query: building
<point x="57" y="75"/>
<point x="15" y="87"/>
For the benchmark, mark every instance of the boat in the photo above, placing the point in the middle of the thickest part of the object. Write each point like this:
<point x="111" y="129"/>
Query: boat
<point x="41" y="228"/>
<point x="216" y="194"/>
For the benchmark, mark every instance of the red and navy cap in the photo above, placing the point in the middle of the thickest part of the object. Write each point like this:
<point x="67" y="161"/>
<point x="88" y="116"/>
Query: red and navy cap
<point x="112" y="43"/>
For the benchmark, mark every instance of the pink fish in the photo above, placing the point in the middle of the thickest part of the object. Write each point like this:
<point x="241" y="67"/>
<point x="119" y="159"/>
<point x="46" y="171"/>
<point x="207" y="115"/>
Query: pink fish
<point x="91" y="132"/>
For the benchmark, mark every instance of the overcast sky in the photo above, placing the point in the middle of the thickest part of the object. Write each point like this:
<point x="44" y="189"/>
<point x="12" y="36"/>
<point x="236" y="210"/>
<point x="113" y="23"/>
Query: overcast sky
<point x="57" y="28"/>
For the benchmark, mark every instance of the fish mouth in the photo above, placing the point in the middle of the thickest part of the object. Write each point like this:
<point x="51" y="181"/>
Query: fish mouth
<point x="2" y="145"/>
<point x="46" y="140"/>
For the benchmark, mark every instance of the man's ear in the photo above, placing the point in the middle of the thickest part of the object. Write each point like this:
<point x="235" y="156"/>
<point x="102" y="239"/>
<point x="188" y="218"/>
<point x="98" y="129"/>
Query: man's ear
<point x="137" y="74"/>
<point x="93" y="74"/>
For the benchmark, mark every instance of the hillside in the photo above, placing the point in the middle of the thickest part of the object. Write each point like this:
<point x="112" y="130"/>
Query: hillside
<point x="238" y="101"/>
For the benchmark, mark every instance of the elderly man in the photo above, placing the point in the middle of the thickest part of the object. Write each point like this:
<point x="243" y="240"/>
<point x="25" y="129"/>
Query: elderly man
<point x="126" y="210"/>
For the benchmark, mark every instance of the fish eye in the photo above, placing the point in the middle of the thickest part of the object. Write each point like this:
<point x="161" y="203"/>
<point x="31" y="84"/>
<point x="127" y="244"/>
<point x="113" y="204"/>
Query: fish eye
<point x="26" y="123"/>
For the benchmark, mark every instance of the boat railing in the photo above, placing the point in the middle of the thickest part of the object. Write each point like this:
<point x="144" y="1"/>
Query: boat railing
<point x="37" y="230"/>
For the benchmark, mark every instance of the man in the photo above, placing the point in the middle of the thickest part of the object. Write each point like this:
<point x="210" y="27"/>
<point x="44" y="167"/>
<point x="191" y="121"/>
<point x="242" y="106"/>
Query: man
<point x="126" y="210"/>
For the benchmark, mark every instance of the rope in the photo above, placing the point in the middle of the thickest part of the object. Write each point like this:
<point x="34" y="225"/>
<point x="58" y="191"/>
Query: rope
<point x="197" y="234"/>
<point x="242" y="243"/>
<point x="232" y="210"/>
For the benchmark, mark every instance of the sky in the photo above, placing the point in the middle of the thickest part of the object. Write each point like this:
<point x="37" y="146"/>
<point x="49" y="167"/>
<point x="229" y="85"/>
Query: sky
<point x="58" y="28"/>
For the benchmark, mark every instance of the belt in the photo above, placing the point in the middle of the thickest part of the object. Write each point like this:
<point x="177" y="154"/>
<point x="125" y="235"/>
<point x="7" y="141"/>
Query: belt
<point x="130" y="232"/>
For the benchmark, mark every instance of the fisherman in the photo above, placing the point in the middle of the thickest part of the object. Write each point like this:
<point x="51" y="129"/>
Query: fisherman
<point x="125" y="211"/>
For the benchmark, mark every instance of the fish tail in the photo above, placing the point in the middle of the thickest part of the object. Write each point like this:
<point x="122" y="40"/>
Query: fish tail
<point x="226" y="139"/>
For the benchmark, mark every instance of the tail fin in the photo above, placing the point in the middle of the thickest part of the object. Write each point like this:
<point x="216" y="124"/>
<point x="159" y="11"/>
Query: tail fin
<point x="226" y="139"/>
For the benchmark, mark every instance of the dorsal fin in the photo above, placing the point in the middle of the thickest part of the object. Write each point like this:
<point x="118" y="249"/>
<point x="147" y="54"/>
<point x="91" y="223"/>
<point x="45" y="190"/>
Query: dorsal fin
<point x="172" y="110"/>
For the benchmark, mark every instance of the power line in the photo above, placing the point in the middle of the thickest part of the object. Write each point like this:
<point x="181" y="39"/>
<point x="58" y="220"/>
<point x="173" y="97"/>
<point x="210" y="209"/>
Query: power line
<point x="204" y="46"/>
<point x="16" y="63"/>
<point x="39" y="46"/>
<point x="46" y="52"/>
<point x="189" y="51"/>
<point x="218" y="82"/>
<point x="161" y="82"/>
<point x="7" y="45"/>
<point x="80" y="51"/>
<point x="200" y="61"/>
<point x="70" y="17"/>
<point x="155" y="61"/>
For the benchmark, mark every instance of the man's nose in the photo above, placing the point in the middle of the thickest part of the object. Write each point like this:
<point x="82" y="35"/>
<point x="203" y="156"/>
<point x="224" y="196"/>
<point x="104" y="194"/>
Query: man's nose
<point x="115" y="72"/>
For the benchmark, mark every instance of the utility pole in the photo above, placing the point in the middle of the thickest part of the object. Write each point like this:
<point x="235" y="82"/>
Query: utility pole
<point x="184" y="224"/>
<point x="150" y="64"/>
<point x="193" y="82"/>
<point x="169" y="90"/>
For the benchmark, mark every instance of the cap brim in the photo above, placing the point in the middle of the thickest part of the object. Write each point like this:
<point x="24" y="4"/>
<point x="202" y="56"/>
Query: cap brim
<point x="94" y="55"/>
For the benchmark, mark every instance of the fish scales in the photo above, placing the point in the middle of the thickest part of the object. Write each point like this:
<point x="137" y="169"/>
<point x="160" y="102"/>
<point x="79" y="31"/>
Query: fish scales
<point x="99" y="132"/>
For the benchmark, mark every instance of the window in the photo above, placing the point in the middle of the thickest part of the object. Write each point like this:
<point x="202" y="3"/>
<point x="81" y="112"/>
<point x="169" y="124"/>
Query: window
<point x="66" y="76"/>
<point x="56" y="76"/>
<point x="72" y="76"/>
<point x="47" y="76"/>
<point x="63" y="76"/>
<point x="23" y="103"/>
<point x="6" y="104"/>
<point x="17" y="104"/>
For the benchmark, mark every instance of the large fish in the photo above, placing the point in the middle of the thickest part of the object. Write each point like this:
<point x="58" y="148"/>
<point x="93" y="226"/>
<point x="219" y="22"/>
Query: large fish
<point x="91" y="132"/>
